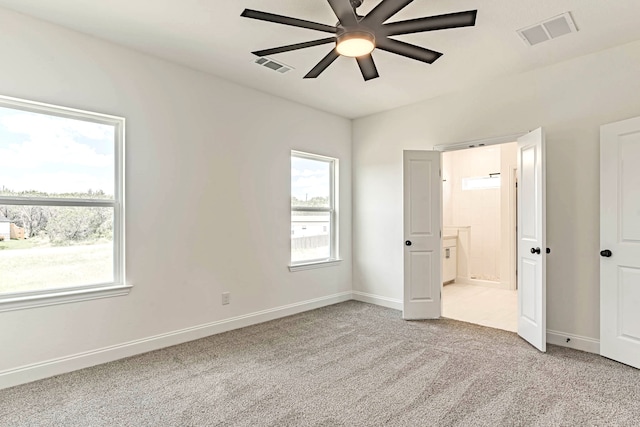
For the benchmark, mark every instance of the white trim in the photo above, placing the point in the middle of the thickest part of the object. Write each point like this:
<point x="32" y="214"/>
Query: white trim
<point x="72" y="113"/>
<point x="479" y="142"/>
<point x="44" y="297"/>
<point x="334" y="251"/>
<point x="396" y="304"/>
<point x="51" y="297"/>
<point x="513" y="227"/>
<point x="313" y="265"/>
<point x="119" y="256"/>
<point x="37" y="371"/>
<point x="311" y="209"/>
<point x="590" y="345"/>
<point x="312" y="156"/>
<point x="53" y="201"/>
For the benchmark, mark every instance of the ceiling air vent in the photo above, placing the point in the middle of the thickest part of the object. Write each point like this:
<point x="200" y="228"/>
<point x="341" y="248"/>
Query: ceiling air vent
<point x="550" y="29"/>
<point x="273" y="65"/>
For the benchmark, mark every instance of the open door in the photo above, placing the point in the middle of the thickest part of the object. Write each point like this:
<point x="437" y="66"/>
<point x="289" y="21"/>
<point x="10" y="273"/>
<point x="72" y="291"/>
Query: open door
<point x="532" y="310"/>
<point x="422" y="235"/>
<point x="620" y="241"/>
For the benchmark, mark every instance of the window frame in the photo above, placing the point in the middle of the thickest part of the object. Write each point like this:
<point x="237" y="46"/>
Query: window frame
<point x="27" y="299"/>
<point x="334" y="254"/>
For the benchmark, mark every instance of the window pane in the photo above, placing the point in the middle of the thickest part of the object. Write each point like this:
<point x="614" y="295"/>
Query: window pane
<point x="481" y="182"/>
<point x="50" y="156"/>
<point x="46" y="247"/>
<point x="310" y="236"/>
<point x="310" y="182"/>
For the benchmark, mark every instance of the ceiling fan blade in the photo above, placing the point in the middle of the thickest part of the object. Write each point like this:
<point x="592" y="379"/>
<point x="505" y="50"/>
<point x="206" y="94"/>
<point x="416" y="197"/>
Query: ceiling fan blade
<point x="344" y="11"/>
<point x="296" y="46"/>
<point x="367" y="67"/>
<point x="385" y="10"/>
<point x="405" y="49"/>
<point x="294" y="22"/>
<point x="432" y="23"/>
<point x="322" y="65"/>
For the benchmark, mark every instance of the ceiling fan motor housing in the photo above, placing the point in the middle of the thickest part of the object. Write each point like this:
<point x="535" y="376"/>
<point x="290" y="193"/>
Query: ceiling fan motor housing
<point x="355" y="43"/>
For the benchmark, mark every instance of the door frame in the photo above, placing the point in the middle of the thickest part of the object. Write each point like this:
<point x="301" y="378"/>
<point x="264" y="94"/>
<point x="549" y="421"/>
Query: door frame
<point x="513" y="222"/>
<point x="517" y="138"/>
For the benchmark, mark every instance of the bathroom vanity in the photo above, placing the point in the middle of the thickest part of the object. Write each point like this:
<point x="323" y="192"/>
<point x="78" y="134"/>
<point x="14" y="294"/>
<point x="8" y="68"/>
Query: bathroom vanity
<point x="449" y="258"/>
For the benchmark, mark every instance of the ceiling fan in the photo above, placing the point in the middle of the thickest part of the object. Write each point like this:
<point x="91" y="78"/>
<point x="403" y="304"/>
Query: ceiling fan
<point x="357" y="36"/>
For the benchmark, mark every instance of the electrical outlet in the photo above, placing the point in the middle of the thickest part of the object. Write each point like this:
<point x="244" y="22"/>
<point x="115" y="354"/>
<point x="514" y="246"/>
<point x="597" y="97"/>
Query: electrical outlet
<point x="226" y="298"/>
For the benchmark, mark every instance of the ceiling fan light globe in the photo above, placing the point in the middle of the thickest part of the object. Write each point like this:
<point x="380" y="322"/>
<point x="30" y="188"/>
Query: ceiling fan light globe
<point x="355" y="44"/>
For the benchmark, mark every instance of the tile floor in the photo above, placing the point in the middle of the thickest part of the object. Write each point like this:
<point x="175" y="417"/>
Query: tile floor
<point x="496" y="308"/>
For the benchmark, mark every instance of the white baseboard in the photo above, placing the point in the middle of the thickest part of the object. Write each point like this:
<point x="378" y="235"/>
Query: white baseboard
<point x="37" y="371"/>
<point x="577" y="342"/>
<point x="49" y="368"/>
<point x="378" y="300"/>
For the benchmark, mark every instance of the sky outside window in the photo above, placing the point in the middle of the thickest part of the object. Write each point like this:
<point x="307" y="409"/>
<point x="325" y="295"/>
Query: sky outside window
<point x="310" y="182"/>
<point x="54" y="155"/>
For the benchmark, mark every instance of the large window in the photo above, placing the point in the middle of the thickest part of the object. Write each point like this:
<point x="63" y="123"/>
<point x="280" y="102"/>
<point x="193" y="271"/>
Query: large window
<point x="313" y="209"/>
<point x="61" y="205"/>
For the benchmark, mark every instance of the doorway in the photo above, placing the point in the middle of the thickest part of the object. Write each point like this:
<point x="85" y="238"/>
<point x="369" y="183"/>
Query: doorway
<point x="479" y="217"/>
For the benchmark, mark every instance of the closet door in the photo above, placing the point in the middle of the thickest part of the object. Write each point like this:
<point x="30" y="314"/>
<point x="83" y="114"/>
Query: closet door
<point x="620" y="241"/>
<point x="422" y="235"/>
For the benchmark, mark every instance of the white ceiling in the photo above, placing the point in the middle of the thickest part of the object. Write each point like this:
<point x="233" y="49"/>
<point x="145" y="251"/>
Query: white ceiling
<point x="210" y="35"/>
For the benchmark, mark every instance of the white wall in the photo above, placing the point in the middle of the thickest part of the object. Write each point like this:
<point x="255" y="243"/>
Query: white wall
<point x="570" y="100"/>
<point x="202" y="153"/>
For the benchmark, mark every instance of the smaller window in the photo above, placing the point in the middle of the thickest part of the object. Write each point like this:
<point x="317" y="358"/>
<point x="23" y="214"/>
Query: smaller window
<point x="313" y="209"/>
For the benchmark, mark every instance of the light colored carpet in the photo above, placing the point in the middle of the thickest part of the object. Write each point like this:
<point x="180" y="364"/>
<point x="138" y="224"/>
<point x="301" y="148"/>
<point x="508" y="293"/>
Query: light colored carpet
<point x="351" y="364"/>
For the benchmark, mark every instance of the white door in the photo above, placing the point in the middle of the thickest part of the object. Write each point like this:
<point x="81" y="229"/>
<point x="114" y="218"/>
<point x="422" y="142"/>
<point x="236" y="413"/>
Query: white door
<point x="422" y="236"/>
<point x="620" y="241"/>
<point x="532" y="309"/>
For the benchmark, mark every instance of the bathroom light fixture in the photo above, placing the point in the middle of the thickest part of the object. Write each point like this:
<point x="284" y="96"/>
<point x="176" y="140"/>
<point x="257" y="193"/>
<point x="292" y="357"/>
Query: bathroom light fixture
<point x="355" y="43"/>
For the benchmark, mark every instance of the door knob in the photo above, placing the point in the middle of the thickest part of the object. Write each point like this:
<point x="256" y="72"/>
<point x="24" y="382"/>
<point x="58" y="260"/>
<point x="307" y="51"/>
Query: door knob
<point x="535" y="251"/>
<point x="606" y="253"/>
<point x="408" y="243"/>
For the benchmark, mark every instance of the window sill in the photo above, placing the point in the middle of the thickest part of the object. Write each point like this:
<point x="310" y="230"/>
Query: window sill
<point x="316" y="264"/>
<point x="45" y="298"/>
